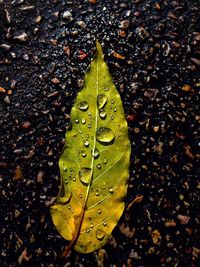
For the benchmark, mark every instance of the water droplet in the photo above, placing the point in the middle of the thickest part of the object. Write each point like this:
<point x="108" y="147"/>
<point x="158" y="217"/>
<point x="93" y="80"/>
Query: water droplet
<point x="83" y="105"/>
<point x="80" y="196"/>
<point x="105" y="135"/>
<point x="91" y="225"/>
<point x="95" y="153"/>
<point x="115" y="110"/>
<point x="100" y="234"/>
<point x="104" y="160"/>
<point x="99" y="211"/>
<point x="87" y="135"/>
<point x="111" y="117"/>
<point x="69" y="207"/>
<point x="106" y="88"/>
<point x="104" y="223"/>
<point x="85" y="175"/>
<point x="111" y="190"/>
<point x="83" y="153"/>
<point x="83" y="121"/>
<point x="87" y="230"/>
<point x="86" y="143"/>
<point x="102" y="114"/>
<point x="104" y="185"/>
<point x="97" y="193"/>
<point x="80" y="131"/>
<point x="74" y="179"/>
<point x="64" y="200"/>
<point x="89" y="126"/>
<point x="99" y="166"/>
<point x="112" y="101"/>
<point x="101" y="100"/>
<point x="76" y="121"/>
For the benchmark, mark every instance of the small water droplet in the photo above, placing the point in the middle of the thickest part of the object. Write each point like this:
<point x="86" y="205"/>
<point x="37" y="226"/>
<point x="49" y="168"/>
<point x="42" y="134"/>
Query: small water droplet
<point x="86" y="143"/>
<point x="111" y="190"/>
<point x="106" y="88"/>
<point x="69" y="207"/>
<point x="100" y="234"/>
<point x="85" y="175"/>
<point x="104" y="160"/>
<point x="95" y="153"/>
<point x="104" y="185"/>
<point x="101" y="100"/>
<point x="87" y="230"/>
<point x="112" y="101"/>
<point x="83" y="121"/>
<point x="111" y="117"/>
<point x="99" y="211"/>
<point x="102" y="114"/>
<point x="99" y="166"/>
<point x="83" y="105"/>
<point x="74" y="179"/>
<point x="83" y="153"/>
<point x="91" y="225"/>
<point x="76" y="121"/>
<point x="105" y="135"/>
<point x="80" y="131"/>
<point x="87" y="135"/>
<point x="97" y="193"/>
<point x="80" y="196"/>
<point x="89" y="126"/>
<point x="104" y="223"/>
<point x="115" y="110"/>
<point x="65" y="199"/>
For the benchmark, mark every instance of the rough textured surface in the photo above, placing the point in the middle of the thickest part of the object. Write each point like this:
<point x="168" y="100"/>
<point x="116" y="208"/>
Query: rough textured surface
<point x="152" y="49"/>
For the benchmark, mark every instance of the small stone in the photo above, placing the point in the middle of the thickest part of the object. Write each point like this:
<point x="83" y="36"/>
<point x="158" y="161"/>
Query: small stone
<point x="67" y="15"/>
<point x="184" y="219"/>
<point x="55" y="80"/>
<point x="22" y="37"/>
<point x="124" y="24"/>
<point x="186" y="87"/>
<point x="82" y="24"/>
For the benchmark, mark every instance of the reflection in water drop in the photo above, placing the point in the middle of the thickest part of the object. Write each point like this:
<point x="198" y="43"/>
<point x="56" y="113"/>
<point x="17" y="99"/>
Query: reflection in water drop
<point x="100" y="234"/>
<point x="83" y="105"/>
<point x="86" y="143"/>
<point x="102" y="114"/>
<point x="64" y="200"/>
<point x="85" y="175"/>
<point x="105" y="135"/>
<point x="101" y="100"/>
<point x="95" y="153"/>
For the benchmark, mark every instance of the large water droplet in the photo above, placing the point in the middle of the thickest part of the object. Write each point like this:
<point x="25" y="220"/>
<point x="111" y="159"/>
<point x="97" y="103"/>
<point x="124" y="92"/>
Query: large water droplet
<point x="83" y="105"/>
<point x="105" y="135"/>
<point x="86" y="143"/>
<point x="101" y="100"/>
<point x="64" y="200"/>
<point x="102" y="114"/>
<point x="85" y="175"/>
<point x="95" y="153"/>
<point x="83" y="121"/>
<point x="100" y="234"/>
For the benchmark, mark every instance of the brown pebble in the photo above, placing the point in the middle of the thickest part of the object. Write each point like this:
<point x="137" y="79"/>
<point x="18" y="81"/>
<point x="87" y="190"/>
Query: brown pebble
<point x="17" y="174"/>
<point x="55" y="80"/>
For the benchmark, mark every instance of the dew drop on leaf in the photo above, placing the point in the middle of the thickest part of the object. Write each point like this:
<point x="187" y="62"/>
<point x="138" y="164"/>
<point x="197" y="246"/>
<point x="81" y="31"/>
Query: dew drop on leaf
<point x="83" y="121"/>
<point x="104" y="223"/>
<point x="87" y="230"/>
<point x="95" y="153"/>
<point x="76" y="121"/>
<point x="112" y="118"/>
<point x="91" y="225"/>
<point x="102" y="114"/>
<point x="99" y="166"/>
<point x="111" y="190"/>
<point x="83" y="105"/>
<point x="106" y="88"/>
<point x="83" y="153"/>
<point x="89" y="126"/>
<point x="85" y="175"/>
<point x="97" y="193"/>
<point x="105" y="135"/>
<point x="86" y="143"/>
<point x="115" y="109"/>
<point x="104" y="160"/>
<point x="100" y="234"/>
<point x="101" y="100"/>
<point x="99" y="211"/>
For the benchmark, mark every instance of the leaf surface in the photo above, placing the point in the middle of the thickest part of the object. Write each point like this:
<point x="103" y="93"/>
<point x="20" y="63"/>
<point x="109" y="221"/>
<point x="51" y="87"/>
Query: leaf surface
<point x="94" y="165"/>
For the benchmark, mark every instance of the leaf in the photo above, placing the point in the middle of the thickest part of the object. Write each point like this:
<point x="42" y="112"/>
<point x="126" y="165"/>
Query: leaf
<point x="94" y="165"/>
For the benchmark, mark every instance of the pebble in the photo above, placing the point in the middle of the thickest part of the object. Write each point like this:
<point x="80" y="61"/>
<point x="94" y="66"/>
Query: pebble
<point x="124" y="24"/>
<point x="22" y="37"/>
<point x="67" y="15"/>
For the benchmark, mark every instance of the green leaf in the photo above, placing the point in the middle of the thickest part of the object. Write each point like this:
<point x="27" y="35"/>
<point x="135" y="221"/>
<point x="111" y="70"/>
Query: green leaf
<point x="94" y="165"/>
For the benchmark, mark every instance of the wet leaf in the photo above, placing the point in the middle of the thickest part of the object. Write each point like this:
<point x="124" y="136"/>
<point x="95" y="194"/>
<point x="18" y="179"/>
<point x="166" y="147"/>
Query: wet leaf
<point x="94" y="165"/>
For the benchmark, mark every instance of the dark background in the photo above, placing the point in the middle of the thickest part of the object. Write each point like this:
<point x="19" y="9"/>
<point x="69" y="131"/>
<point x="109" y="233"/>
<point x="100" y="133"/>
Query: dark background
<point x="153" y="52"/>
